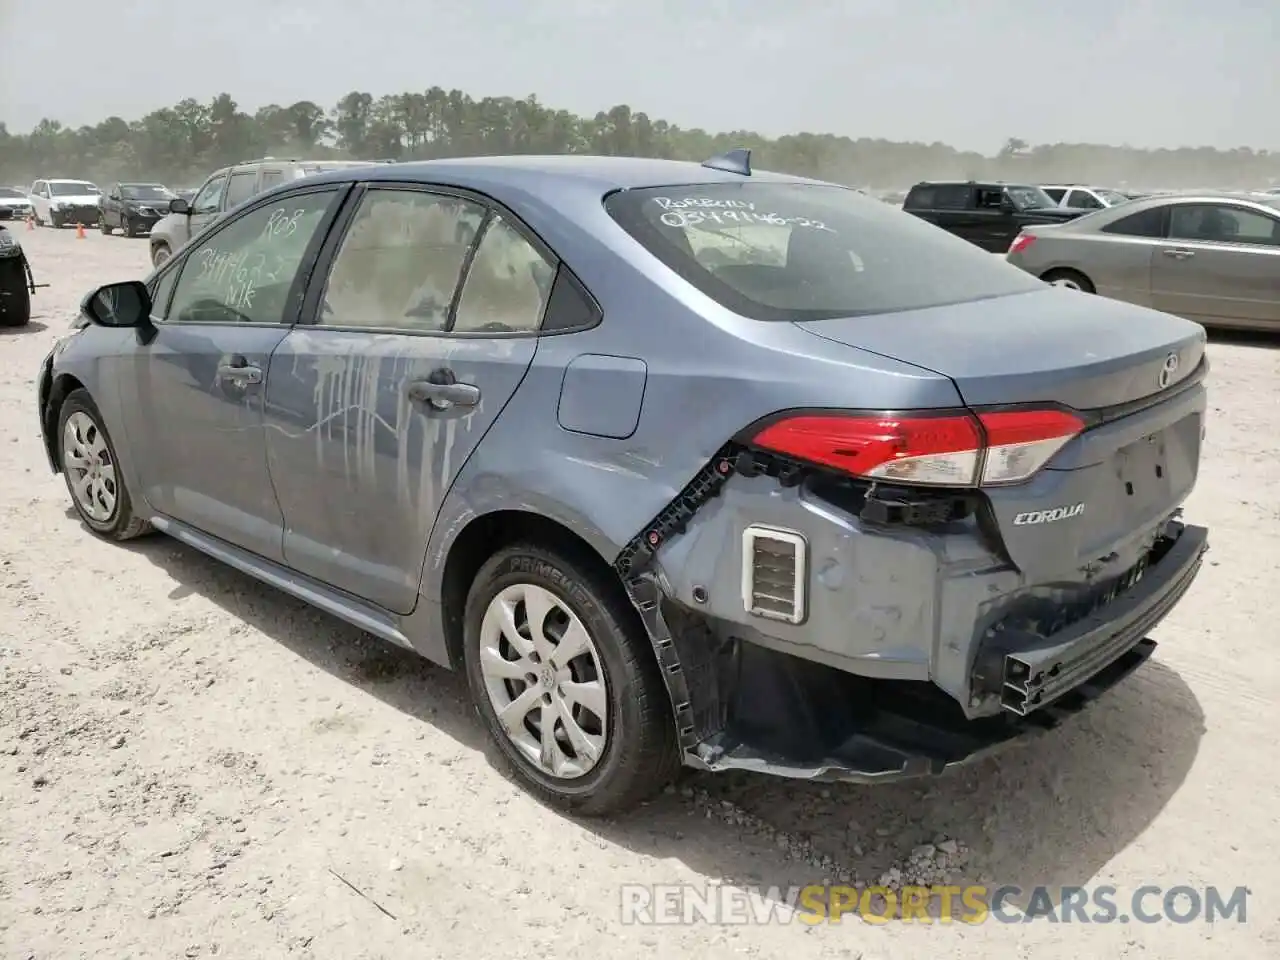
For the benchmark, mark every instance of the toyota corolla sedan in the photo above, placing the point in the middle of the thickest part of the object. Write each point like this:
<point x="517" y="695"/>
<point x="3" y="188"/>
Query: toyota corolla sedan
<point x="678" y="462"/>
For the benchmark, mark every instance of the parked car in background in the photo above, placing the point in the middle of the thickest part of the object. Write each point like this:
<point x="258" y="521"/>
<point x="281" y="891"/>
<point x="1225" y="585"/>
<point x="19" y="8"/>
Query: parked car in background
<point x="16" y="284"/>
<point x="1078" y="197"/>
<point x="14" y="204"/>
<point x="134" y="208"/>
<point x="226" y="189"/>
<point x="59" y="203"/>
<point x="187" y="193"/>
<point x="910" y="505"/>
<point x="988" y="214"/>
<point x="1210" y="258"/>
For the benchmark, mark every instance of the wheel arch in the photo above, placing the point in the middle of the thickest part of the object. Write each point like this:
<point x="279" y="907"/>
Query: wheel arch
<point x="486" y="534"/>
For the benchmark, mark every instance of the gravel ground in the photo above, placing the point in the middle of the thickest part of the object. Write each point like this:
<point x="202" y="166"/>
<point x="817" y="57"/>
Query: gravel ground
<point x="192" y="764"/>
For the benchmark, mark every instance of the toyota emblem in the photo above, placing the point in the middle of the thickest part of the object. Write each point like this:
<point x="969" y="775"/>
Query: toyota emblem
<point x="1168" y="369"/>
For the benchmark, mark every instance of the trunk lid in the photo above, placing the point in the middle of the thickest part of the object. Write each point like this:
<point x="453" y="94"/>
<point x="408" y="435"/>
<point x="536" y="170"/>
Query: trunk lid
<point x="1051" y="346"/>
<point x="1104" y="493"/>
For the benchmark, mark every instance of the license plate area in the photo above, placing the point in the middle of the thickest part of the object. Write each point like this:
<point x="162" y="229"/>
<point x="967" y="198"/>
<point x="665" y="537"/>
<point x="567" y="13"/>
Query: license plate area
<point x="1142" y="469"/>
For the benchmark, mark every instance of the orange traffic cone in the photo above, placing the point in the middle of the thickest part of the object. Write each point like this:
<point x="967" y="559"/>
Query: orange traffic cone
<point x="79" y="231"/>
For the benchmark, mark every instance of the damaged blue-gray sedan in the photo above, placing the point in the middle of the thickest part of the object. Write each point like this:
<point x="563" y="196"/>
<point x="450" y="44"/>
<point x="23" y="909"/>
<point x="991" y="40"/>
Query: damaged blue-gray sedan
<point x="680" y="463"/>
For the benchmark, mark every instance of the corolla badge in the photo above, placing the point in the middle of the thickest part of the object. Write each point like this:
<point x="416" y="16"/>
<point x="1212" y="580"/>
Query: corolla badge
<point x="1168" y="369"/>
<point x="1033" y="517"/>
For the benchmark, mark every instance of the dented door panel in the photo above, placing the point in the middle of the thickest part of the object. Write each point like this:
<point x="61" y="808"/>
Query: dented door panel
<point x="362" y="460"/>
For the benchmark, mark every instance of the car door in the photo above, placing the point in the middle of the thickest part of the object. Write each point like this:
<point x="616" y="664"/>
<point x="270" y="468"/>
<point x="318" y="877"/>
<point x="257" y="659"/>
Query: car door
<point x="953" y="209"/>
<point x="207" y="204"/>
<point x="1220" y="264"/>
<point x="993" y="226"/>
<point x="411" y="346"/>
<point x="193" y="392"/>
<point x="40" y="200"/>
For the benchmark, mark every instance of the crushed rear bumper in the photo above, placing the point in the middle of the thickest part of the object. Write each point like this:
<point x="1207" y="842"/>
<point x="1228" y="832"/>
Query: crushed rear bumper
<point x="794" y="718"/>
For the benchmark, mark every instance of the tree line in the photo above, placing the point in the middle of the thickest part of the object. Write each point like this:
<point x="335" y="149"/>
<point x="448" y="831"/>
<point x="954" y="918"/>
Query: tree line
<point x="180" y="145"/>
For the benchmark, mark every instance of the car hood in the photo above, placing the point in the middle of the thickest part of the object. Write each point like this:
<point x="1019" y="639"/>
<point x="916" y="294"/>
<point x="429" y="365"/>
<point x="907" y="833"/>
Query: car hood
<point x="14" y="201"/>
<point x="1052" y="345"/>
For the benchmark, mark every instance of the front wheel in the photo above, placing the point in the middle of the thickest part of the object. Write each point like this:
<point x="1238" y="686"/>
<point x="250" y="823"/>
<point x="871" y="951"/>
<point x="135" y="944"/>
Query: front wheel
<point x="103" y="225"/>
<point x="55" y="221"/>
<point x="564" y="677"/>
<point x="91" y="470"/>
<point x="159" y="254"/>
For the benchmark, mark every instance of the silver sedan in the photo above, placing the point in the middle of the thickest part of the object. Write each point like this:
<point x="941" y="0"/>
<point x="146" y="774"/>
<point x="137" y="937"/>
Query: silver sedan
<point x="1214" y="259"/>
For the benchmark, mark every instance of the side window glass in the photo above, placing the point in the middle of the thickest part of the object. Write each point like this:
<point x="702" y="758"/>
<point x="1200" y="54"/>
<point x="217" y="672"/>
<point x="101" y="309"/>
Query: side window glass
<point x="270" y="178"/>
<point x="241" y="187"/>
<point x="1213" y="223"/>
<point x="922" y="198"/>
<point x="244" y="272"/>
<point x="507" y="287"/>
<point x="1083" y="201"/>
<point x="1148" y="224"/>
<point x="208" y="200"/>
<point x="951" y="197"/>
<point x="989" y="198"/>
<point x="399" y="264"/>
<point x="160" y="293"/>
<point x="1055" y="193"/>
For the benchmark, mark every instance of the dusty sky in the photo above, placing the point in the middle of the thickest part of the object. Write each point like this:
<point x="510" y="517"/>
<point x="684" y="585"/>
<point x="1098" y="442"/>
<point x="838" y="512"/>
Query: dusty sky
<point x="971" y="73"/>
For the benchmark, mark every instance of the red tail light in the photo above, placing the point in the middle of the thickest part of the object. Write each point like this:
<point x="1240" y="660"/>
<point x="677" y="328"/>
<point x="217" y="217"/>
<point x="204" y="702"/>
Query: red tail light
<point x="1020" y="243"/>
<point x="953" y="450"/>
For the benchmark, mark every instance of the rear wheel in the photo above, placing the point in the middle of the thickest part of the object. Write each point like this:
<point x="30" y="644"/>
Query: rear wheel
<point x="91" y="470"/>
<point x="15" y="296"/>
<point x="1071" y="279"/>
<point x="564" y="677"/>
<point x="127" y="226"/>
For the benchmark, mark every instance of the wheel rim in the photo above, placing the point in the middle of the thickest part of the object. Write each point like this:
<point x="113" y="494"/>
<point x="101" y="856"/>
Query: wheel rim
<point x="89" y="467"/>
<point x="161" y="256"/>
<point x="1067" y="283"/>
<point x="542" y="673"/>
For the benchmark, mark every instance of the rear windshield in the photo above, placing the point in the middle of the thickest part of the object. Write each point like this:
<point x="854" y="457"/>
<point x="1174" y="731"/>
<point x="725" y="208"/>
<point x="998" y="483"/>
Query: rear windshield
<point x="795" y="251"/>
<point x="70" y="188"/>
<point x="145" y="191"/>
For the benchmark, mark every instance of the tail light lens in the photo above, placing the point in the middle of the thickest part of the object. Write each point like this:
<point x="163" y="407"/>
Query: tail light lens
<point x="1020" y="243"/>
<point x="955" y="450"/>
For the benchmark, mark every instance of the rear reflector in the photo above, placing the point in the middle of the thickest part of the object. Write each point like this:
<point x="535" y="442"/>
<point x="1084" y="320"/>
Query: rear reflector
<point x="1021" y="242"/>
<point x="952" y="450"/>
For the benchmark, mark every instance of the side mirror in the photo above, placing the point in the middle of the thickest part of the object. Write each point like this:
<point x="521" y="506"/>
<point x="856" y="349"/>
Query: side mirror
<point x="119" y="305"/>
<point x="1006" y="205"/>
<point x="178" y="205"/>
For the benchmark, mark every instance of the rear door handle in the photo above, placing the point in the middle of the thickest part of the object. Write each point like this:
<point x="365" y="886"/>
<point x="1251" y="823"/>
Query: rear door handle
<point x="1178" y="253"/>
<point x="239" y="370"/>
<point x="442" y="396"/>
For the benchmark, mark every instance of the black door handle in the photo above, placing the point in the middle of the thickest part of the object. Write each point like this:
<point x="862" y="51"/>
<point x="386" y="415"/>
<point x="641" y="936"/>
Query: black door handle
<point x="442" y="391"/>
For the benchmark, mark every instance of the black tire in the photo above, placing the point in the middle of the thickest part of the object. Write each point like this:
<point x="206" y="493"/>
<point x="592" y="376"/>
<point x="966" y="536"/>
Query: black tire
<point x="15" y="296"/>
<point x="122" y="523"/>
<point x="641" y="754"/>
<point x="160" y="252"/>
<point x="103" y="225"/>
<point x="127" y="226"/>
<point x="55" y="221"/>
<point x="1072" y="279"/>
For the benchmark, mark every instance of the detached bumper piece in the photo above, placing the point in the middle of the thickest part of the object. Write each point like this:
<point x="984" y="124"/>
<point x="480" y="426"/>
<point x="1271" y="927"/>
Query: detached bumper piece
<point x="1047" y="668"/>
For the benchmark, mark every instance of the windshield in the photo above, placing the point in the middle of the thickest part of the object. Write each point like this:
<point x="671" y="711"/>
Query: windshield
<point x="1030" y="198"/>
<point x="70" y="188"/>
<point x="145" y="191"/>
<point x="7" y="193"/>
<point x="794" y="251"/>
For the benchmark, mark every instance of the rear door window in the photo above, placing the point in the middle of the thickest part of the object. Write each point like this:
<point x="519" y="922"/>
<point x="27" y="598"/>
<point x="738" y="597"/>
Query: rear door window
<point x="1219" y="223"/>
<point x="952" y="196"/>
<point x="507" y="285"/>
<point x="241" y="187"/>
<point x="793" y="251"/>
<point x="1148" y="224"/>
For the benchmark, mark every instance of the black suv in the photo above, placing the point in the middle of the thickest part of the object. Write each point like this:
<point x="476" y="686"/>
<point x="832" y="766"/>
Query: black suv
<point x="987" y="213"/>
<point x="134" y="207"/>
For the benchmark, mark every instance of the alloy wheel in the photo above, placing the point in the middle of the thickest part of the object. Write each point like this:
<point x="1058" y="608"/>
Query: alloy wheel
<point x="542" y="673"/>
<point x="89" y="466"/>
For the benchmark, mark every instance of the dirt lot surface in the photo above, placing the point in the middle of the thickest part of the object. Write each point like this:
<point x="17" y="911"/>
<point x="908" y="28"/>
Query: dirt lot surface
<point x="192" y="764"/>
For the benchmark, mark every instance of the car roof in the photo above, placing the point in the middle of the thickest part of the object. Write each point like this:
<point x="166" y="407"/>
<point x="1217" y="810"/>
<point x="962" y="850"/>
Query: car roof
<point x="569" y="173"/>
<point x="67" y="180"/>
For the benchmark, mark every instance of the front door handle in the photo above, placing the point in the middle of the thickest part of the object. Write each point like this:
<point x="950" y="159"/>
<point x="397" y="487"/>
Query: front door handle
<point x="1178" y="253"/>
<point x="441" y="395"/>
<point x="240" y="371"/>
